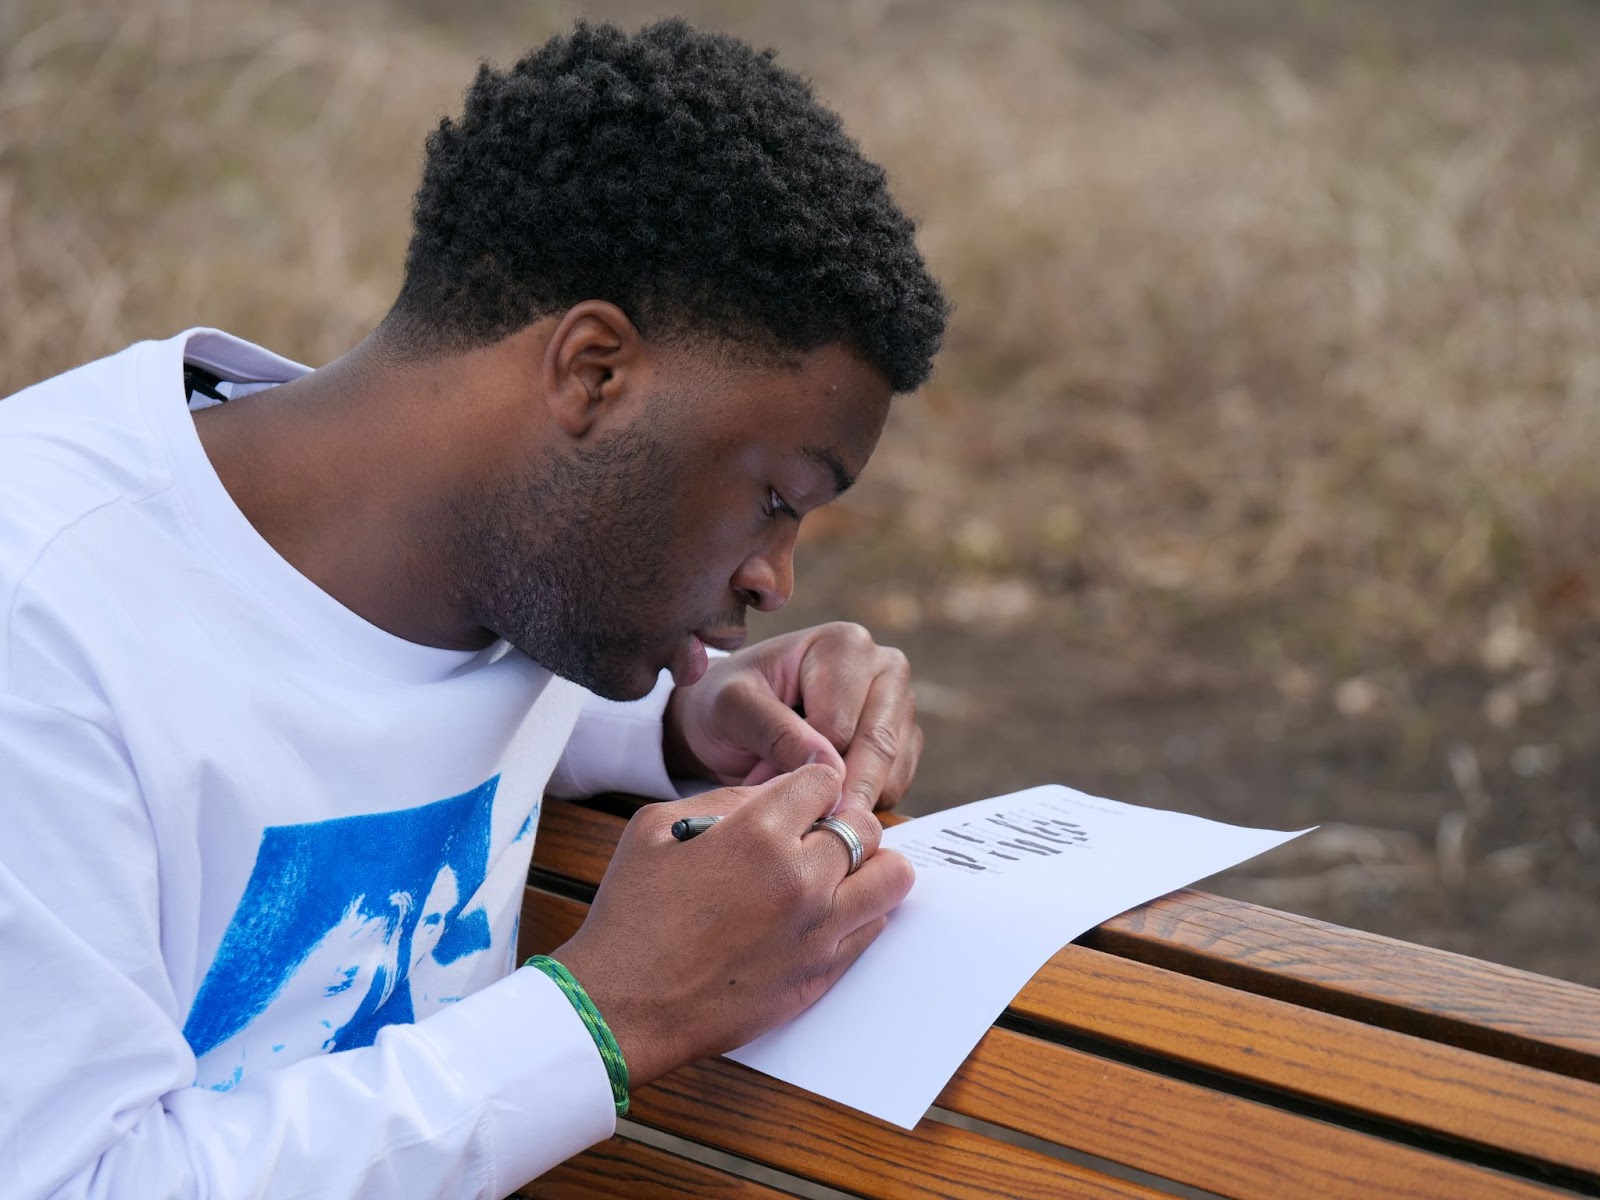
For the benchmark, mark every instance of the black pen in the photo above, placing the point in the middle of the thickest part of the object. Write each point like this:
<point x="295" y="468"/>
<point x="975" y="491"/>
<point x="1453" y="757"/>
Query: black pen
<point x="690" y="827"/>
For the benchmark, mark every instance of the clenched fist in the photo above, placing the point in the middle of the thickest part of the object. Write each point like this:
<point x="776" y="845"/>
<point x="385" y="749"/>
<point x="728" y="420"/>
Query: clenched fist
<point x="694" y="948"/>
<point x="828" y="694"/>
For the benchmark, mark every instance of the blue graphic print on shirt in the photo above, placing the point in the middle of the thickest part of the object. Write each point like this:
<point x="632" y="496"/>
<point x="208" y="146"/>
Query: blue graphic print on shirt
<point x="339" y="919"/>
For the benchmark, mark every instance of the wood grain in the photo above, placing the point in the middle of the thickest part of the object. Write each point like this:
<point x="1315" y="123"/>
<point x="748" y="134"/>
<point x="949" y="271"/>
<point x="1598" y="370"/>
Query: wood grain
<point x="625" y="1170"/>
<point x="731" y="1108"/>
<point x="1332" y="1059"/>
<point x="1208" y="1139"/>
<point x="1178" y="1130"/>
<point x="1548" y="1023"/>
<point x="1484" y="1007"/>
<point x="575" y="841"/>
<point x="546" y="922"/>
<point x="1186" y="1039"/>
<point x="735" y="1109"/>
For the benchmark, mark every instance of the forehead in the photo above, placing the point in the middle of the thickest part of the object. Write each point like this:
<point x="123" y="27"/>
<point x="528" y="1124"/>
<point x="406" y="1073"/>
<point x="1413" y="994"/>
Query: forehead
<point x="825" y="410"/>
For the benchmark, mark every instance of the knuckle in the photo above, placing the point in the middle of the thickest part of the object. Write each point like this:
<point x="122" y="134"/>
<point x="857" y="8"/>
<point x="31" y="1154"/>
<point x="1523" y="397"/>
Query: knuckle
<point x="767" y="825"/>
<point x="867" y="793"/>
<point x="642" y="825"/>
<point x="787" y="884"/>
<point x="786" y="740"/>
<point x="880" y="737"/>
<point x="737" y="692"/>
<point x="851" y="632"/>
<point x="837" y="728"/>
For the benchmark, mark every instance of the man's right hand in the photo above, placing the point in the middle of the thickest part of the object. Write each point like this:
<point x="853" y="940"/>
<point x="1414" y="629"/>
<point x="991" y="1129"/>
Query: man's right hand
<point x="694" y="948"/>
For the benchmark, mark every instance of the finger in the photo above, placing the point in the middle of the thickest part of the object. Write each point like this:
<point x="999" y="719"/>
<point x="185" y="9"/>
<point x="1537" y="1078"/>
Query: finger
<point x="764" y="725"/>
<point x="762" y="772"/>
<point x="852" y="944"/>
<point x="790" y="804"/>
<point x="825" y="846"/>
<point x="883" y="881"/>
<point x="905" y="770"/>
<point x="877" y="741"/>
<point x="835" y="678"/>
<point x="655" y="820"/>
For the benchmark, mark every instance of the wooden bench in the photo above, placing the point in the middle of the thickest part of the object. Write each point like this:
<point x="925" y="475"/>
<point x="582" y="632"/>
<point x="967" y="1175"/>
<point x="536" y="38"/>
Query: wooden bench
<point x="1195" y="1046"/>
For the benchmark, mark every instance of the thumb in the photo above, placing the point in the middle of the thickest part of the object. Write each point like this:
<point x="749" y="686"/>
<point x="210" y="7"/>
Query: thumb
<point x="779" y="736"/>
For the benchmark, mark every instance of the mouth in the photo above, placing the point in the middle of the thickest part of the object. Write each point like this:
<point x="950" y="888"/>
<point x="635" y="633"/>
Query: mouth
<point x="690" y="663"/>
<point x="729" y="641"/>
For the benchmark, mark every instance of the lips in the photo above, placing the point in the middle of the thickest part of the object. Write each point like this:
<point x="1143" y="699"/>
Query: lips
<point x="690" y="663"/>
<point x="730" y="641"/>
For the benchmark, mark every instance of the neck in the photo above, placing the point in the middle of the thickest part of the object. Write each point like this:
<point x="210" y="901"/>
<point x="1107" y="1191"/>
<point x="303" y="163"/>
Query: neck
<point x="346" y="473"/>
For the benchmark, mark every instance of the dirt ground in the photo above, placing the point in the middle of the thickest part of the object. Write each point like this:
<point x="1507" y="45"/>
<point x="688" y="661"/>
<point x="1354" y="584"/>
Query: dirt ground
<point x="1490" y="849"/>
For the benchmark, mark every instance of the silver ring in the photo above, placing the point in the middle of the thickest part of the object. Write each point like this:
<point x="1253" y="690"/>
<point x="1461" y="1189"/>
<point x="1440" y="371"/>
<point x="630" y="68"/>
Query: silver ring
<point x="850" y="838"/>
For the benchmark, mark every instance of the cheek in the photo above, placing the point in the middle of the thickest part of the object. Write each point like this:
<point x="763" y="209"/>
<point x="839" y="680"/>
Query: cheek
<point x="705" y="551"/>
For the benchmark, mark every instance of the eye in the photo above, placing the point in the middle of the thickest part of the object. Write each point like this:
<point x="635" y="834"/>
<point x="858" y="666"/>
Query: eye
<point x="776" y="505"/>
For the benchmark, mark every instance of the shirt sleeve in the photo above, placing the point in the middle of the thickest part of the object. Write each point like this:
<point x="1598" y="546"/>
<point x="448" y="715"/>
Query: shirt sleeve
<point x="96" y="1099"/>
<point x="617" y="747"/>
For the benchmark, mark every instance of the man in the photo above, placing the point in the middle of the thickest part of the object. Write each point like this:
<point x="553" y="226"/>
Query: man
<point x="287" y="658"/>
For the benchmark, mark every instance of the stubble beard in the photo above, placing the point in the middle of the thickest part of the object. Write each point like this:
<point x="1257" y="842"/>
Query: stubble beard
<point x="569" y="561"/>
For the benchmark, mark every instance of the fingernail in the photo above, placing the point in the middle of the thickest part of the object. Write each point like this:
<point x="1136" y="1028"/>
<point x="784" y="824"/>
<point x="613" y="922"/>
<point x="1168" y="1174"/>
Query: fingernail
<point x="814" y="756"/>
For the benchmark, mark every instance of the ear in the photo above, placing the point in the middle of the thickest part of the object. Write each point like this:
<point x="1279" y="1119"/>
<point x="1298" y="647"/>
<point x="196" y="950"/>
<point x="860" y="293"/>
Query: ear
<point x="593" y="364"/>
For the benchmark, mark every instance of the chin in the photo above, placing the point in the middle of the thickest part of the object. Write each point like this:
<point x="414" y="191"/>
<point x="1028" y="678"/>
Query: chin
<point x="614" y="688"/>
<point x="612" y="680"/>
<point x="618" y="675"/>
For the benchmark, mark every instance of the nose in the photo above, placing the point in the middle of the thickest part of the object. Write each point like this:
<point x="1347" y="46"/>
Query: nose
<point x="765" y="580"/>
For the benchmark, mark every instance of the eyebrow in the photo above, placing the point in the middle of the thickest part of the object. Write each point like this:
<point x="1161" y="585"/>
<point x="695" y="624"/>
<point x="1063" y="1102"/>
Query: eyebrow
<point x="822" y="457"/>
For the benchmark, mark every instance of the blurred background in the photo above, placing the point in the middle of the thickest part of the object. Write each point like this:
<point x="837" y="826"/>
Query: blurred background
<point x="1258" y="477"/>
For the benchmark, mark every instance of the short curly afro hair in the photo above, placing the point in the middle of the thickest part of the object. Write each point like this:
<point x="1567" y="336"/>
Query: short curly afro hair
<point x="679" y="174"/>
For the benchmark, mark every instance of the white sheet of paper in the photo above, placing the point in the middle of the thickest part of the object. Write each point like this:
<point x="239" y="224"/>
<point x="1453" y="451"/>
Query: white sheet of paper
<point x="1002" y="884"/>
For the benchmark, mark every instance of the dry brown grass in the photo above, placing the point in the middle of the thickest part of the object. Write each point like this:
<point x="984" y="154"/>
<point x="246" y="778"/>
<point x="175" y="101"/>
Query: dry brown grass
<point x="232" y="162"/>
<point x="1269" y="319"/>
<point x="1241" y="332"/>
<point x="1265" y="313"/>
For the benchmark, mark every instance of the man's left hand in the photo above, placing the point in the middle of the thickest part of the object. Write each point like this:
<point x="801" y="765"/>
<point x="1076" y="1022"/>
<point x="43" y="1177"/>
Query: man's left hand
<point x="829" y="694"/>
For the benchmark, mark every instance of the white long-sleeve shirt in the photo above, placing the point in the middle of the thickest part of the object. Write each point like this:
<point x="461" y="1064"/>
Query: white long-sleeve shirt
<point x="260" y="861"/>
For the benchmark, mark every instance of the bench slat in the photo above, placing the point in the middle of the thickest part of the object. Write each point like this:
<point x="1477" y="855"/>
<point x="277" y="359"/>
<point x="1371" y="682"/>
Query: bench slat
<point x="1163" y="1126"/>
<point x="621" y="1169"/>
<point x="1207" y="1139"/>
<point x="1552" y="1024"/>
<point x="1484" y="1007"/>
<point x="1492" y="1009"/>
<point x="743" y="1112"/>
<point x="546" y="922"/>
<point x="1182" y="1040"/>
<point x="805" y="1135"/>
<point x="1329" y="1058"/>
<point x="575" y="840"/>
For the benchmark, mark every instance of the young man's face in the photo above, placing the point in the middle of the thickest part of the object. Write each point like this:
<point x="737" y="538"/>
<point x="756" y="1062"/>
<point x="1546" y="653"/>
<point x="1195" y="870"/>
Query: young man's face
<point x="629" y="554"/>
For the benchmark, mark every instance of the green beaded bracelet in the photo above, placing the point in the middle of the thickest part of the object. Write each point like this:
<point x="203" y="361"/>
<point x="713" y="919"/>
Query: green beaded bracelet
<point x="610" y="1052"/>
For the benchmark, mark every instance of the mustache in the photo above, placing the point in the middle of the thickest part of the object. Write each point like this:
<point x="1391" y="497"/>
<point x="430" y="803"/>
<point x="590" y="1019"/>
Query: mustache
<point x="732" y="621"/>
